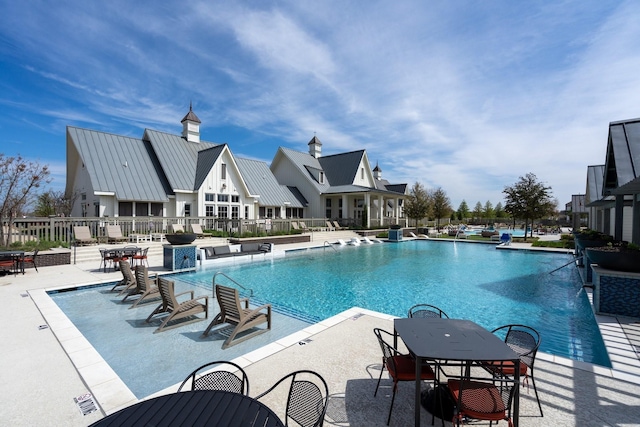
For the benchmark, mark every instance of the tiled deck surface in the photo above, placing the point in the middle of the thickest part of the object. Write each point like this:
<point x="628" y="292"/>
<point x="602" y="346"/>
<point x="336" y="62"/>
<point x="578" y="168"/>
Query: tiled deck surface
<point x="40" y="379"/>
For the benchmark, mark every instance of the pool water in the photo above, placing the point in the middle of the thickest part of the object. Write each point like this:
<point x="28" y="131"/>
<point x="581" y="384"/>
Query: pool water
<point x="469" y="281"/>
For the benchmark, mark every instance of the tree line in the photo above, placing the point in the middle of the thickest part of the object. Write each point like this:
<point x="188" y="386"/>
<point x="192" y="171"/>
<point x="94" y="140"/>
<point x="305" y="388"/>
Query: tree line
<point x="527" y="200"/>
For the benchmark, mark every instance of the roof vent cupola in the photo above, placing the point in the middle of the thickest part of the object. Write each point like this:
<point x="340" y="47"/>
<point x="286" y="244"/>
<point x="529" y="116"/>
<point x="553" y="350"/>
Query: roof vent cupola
<point x="315" y="147"/>
<point x="191" y="126"/>
<point x="377" y="172"/>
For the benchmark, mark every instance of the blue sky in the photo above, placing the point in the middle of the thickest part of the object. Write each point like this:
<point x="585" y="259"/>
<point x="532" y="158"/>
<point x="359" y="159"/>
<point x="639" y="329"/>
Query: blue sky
<point x="463" y="95"/>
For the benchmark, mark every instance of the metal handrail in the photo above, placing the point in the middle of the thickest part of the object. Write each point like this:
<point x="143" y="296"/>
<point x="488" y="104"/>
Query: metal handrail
<point x="326" y="243"/>
<point x="570" y="262"/>
<point x="213" y="288"/>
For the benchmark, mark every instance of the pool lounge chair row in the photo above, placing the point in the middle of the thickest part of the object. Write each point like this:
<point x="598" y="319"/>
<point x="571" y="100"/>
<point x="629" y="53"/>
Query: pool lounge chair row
<point x="235" y="311"/>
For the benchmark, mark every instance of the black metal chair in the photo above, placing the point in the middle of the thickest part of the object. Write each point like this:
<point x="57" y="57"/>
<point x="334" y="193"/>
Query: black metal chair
<point x="233" y="379"/>
<point x="307" y="398"/>
<point x="31" y="260"/>
<point x="525" y="341"/>
<point x="482" y="400"/>
<point x="401" y="367"/>
<point x="426" y="310"/>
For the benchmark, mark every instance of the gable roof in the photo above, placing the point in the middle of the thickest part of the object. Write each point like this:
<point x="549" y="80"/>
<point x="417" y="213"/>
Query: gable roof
<point x="595" y="177"/>
<point x="118" y="164"/>
<point x="622" y="165"/>
<point x="260" y="180"/>
<point x="341" y="169"/>
<point x="180" y="159"/>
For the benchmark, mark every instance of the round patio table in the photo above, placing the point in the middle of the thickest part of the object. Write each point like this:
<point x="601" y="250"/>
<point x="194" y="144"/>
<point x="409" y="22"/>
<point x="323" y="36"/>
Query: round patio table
<point x="195" y="408"/>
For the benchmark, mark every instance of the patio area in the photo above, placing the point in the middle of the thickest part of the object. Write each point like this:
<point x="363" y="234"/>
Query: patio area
<point x="41" y="380"/>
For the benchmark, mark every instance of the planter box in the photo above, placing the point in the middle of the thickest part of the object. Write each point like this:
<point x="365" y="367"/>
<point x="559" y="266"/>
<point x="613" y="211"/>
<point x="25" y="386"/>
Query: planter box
<point x="615" y="260"/>
<point x="616" y="293"/>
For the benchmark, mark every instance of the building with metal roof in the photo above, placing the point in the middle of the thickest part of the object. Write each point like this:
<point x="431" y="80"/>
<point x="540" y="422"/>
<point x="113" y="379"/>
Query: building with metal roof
<point x="169" y="175"/>
<point x="613" y="188"/>
<point x="340" y="185"/>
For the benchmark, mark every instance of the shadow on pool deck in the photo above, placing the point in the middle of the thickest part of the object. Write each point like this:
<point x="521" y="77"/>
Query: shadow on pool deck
<point x="40" y="382"/>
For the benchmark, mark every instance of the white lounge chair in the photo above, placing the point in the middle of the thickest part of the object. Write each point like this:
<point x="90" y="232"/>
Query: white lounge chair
<point x="366" y="240"/>
<point x="354" y="242"/>
<point x="341" y="242"/>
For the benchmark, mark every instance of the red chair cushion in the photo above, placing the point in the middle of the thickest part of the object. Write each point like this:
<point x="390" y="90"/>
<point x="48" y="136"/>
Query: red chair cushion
<point x="406" y="369"/>
<point x="480" y="400"/>
<point x="507" y="367"/>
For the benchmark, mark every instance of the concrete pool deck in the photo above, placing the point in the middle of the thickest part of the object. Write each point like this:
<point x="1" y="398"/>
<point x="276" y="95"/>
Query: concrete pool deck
<point x="40" y="381"/>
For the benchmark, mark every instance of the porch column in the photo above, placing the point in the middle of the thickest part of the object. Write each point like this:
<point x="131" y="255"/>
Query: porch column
<point x="396" y="209"/>
<point x="635" y="220"/>
<point x="345" y="206"/>
<point x="381" y="210"/>
<point x="618" y="217"/>
<point x="367" y="203"/>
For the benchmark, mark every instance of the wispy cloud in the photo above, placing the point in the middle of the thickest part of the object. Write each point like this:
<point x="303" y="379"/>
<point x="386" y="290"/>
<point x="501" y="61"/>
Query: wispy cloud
<point x="463" y="96"/>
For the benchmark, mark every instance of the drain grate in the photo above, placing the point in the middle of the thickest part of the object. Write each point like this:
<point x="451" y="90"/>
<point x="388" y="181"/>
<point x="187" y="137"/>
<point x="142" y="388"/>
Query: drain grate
<point x="24" y="295"/>
<point x="304" y="342"/>
<point x="85" y="404"/>
<point x="357" y="316"/>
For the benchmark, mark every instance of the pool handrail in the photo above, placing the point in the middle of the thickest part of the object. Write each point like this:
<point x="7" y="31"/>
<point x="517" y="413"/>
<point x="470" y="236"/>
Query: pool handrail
<point x="225" y="275"/>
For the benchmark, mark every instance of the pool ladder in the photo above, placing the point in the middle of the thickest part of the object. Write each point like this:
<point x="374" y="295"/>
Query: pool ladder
<point x="220" y="273"/>
<point x="326" y="243"/>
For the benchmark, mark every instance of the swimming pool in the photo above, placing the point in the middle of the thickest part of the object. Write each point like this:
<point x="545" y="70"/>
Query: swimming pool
<point x="471" y="281"/>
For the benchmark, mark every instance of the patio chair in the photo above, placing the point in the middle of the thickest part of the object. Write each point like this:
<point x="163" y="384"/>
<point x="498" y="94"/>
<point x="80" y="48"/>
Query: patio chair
<point x="303" y="226"/>
<point x="232" y="378"/>
<point x="482" y="400"/>
<point x="141" y="257"/>
<point x="401" y="367"/>
<point x="525" y="341"/>
<point x="294" y="225"/>
<point x="31" y="259"/>
<point x="307" y="398"/>
<point x="426" y="310"/>
<point x="243" y="319"/>
<point x="114" y="234"/>
<point x="330" y="227"/>
<point x="337" y="226"/>
<point x="177" y="228"/>
<point x="82" y="235"/>
<point x="178" y="310"/>
<point x="128" y="279"/>
<point x="197" y="230"/>
<point x="146" y="288"/>
<point x="505" y="239"/>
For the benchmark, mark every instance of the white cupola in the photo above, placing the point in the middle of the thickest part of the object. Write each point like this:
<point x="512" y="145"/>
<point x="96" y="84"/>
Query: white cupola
<point x="315" y="147"/>
<point x="191" y="126"/>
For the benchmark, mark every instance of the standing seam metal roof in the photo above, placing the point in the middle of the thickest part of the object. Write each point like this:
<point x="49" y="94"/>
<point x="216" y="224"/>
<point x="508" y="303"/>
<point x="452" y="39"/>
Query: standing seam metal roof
<point x="260" y="180"/>
<point x="118" y="164"/>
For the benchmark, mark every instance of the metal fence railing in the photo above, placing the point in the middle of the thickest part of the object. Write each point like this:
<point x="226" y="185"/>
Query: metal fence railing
<point x="61" y="228"/>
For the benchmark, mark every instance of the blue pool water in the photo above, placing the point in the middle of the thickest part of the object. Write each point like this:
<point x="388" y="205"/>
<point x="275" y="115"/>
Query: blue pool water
<point x="471" y="281"/>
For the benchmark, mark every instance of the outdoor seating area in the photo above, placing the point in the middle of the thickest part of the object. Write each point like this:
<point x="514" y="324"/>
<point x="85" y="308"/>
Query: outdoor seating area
<point x="12" y="262"/>
<point x="111" y="257"/>
<point x="220" y="391"/>
<point x="208" y="253"/>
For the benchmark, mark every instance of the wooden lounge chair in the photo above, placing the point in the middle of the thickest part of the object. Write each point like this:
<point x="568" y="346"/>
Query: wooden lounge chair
<point x="337" y="226"/>
<point x="243" y="319"/>
<point x="114" y="234"/>
<point x="177" y="228"/>
<point x="82" y="235"/>
<point x="178" y="310"/>
<point x="197" y="230"/>
<point x="128" y="279"/>
<point x="145" y="287"/>
<point x="330" y="226"/>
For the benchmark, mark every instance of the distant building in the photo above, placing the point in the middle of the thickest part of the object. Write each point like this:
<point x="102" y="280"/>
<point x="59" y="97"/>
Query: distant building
<point x="612" y="193"/>
<point x="170" y="175"/>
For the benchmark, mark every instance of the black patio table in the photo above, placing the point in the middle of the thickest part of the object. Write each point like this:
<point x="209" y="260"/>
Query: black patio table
<point x="453" y="340"/>
<point x="17" y="257"/>
<point x="195" y="408"/>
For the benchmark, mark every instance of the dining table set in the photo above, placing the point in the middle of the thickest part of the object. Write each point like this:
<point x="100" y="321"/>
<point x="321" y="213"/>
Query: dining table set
<point x="12" y="262"/>
<point x="110" y="257"/>
<point x="458" y="345"/>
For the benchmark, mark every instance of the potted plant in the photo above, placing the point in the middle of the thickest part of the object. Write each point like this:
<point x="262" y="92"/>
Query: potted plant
<point x="180" y="238"/>
<point x="588" y="238"/>
<point x="619" y="256"/>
